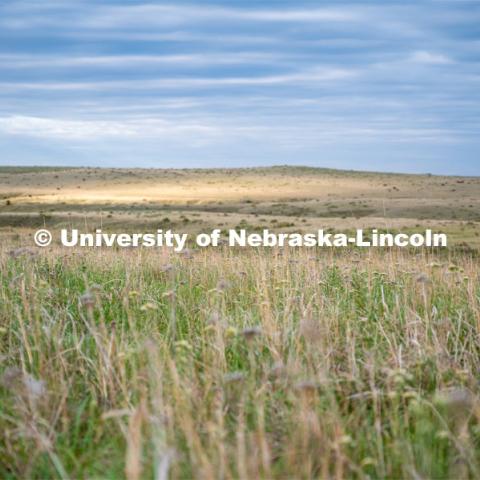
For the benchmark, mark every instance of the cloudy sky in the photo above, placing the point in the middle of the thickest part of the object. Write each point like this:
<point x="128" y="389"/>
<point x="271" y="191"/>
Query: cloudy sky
<point x="391" y="86"/>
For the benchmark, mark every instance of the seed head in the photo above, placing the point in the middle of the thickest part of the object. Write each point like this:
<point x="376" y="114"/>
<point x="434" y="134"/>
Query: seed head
<point x="278" y="370"/>
<point x="306" y="389"/>
<point x="456" y="399"/>
<point x="307" y="386"/>
<point x="310" y="330"/>
<point x="22" y="251"/>
<point x="222" y="285"/>
<point x="87" y="300"/>
<point x="33" y="387"/>
<point x="170" y="294"/>
<point x="422" y="278"/>
<point x="234" y="377"/>
<point x="148" y="306"/>
<point x="23" y="384"/>
<point x="251" y="333"/>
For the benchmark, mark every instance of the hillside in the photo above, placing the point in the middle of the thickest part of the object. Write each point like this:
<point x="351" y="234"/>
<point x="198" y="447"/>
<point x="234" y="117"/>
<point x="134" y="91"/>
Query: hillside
<point x="278" y="197"/>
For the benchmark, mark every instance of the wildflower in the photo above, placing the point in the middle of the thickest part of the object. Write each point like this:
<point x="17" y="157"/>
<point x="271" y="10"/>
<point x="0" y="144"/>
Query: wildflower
<point x="133" y="294"/>
<point x="231" y="332"/>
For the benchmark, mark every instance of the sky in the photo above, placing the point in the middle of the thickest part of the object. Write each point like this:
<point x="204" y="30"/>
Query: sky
<point x="386" y="86"/>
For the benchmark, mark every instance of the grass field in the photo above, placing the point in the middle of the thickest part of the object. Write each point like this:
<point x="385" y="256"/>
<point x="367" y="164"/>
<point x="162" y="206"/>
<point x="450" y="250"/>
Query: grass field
<point x="227" y="363"/>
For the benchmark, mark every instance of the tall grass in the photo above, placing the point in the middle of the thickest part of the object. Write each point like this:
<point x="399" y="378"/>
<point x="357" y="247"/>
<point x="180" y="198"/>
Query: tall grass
<point x="239" y="364"/>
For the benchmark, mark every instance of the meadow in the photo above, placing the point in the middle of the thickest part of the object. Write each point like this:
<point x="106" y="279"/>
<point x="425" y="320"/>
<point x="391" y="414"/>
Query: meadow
<point x="238" y="363"/>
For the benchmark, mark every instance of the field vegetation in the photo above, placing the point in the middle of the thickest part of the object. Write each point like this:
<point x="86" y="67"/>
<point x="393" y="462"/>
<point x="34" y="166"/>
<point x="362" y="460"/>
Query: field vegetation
<point x="238" y="363"/>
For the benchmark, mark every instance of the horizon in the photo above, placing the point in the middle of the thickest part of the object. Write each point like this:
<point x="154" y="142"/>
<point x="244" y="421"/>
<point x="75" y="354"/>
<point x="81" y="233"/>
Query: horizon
<point x="259" y="167"/>
<point x="365" y="86"/>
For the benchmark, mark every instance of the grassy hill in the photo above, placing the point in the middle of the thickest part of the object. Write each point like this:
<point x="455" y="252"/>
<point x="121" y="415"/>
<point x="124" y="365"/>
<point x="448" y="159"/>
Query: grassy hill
<point x="287" y="198"/>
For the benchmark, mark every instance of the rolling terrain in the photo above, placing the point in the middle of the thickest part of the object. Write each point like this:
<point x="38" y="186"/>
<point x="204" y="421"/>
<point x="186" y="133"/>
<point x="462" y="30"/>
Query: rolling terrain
<point x="278" y="198"/>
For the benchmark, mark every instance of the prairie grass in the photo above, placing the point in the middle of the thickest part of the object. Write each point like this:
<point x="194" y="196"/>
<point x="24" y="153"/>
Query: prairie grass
<point x="239" y="364"/>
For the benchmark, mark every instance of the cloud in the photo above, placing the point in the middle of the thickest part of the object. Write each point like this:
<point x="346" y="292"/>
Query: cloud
<point x="148" y="15"/>
<point x="106" y="61"/>
<point x="87" y="16"/>
<point x="422" y="56"/>
<point x="310" y="76"/>
<point x="252" y="77"/>
<point x="62" y="129"/>
<point x="329" y="130"/>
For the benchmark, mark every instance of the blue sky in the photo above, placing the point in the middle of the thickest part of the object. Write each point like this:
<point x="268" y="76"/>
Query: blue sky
<point x="391" y="86"/>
